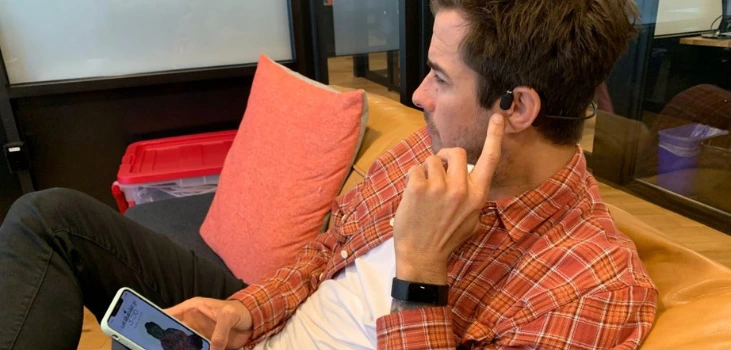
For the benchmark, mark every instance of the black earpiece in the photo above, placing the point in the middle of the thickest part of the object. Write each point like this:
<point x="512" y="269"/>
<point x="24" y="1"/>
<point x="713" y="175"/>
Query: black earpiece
<point x="507" y="100"/>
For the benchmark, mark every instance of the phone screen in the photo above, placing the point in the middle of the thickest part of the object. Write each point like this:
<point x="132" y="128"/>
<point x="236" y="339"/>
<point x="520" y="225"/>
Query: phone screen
<point x="151" y="328"/>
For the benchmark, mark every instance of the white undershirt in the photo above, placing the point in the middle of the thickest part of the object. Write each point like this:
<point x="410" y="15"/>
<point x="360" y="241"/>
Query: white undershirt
<point x="342" y="312"/>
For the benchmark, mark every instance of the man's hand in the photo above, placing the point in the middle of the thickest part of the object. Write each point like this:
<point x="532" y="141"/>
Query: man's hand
<point x="227" y="323"/>
<point x="440" y="209"/>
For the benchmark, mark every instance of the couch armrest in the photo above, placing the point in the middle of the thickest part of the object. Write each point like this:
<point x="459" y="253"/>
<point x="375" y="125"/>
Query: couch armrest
<point x="694" y="298"/>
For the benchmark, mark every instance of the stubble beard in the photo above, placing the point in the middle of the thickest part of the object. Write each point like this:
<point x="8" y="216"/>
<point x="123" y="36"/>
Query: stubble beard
<point x="472" y="143"/>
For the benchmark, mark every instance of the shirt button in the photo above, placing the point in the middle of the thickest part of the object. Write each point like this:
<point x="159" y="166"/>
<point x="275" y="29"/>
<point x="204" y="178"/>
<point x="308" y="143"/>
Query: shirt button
<point x="344" y="254"/>
<point x="390" y="222"/>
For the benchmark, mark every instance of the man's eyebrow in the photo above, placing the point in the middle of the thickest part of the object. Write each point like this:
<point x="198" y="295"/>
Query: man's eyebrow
<point x="433" y="65"/>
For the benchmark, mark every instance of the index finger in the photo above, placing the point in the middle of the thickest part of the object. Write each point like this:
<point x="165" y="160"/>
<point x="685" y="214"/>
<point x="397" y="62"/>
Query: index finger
<point x="179" y="310"/>
<point x="487" y="163"/>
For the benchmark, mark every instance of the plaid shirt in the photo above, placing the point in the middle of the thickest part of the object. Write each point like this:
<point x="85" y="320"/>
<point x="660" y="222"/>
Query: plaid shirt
<point x="547" y="269"/>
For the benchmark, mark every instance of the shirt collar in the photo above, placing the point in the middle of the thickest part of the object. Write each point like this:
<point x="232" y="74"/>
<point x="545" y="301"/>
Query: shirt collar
<point x="525" y="213"/>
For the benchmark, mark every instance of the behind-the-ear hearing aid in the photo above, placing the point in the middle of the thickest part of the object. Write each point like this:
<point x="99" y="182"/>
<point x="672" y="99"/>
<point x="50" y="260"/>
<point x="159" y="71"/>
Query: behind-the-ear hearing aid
<point x="507" y="100"/>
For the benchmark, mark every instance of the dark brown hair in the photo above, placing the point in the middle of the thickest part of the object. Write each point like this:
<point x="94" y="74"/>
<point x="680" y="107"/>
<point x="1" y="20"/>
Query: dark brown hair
<point x="561" y="48"/>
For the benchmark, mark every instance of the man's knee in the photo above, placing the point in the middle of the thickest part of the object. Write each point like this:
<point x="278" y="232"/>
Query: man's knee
<point x="45" y="203"/>
<point x="32" y="217"/>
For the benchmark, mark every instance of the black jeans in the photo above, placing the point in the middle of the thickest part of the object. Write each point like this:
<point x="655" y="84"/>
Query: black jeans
<point x="61" y="250"/>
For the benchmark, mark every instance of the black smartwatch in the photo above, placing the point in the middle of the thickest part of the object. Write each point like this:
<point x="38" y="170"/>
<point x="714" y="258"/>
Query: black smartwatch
<point x="420" y="292"/>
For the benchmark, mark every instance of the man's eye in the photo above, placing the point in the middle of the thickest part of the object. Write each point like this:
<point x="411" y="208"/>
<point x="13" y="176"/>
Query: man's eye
<point x="439" y="80"/>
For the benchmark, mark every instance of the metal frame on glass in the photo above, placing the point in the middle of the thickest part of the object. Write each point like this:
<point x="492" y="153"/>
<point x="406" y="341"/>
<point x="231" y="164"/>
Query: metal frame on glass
<point x="415" y="35"/>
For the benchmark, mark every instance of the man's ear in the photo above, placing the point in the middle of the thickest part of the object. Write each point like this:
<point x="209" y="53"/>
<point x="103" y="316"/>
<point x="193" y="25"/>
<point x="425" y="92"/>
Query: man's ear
<point x="524" y="110"/>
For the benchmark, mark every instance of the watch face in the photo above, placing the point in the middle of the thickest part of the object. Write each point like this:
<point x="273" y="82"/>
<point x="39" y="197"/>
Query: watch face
<point x="423" y="294"/>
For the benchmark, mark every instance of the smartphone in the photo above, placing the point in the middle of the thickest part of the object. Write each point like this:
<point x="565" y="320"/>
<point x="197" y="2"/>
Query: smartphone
<point x="139" y="324"/>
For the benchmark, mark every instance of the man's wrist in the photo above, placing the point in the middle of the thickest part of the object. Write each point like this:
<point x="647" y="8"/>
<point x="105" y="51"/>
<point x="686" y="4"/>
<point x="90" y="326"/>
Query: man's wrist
<point x="429" y="271"/>
<point x="401" y="305"/>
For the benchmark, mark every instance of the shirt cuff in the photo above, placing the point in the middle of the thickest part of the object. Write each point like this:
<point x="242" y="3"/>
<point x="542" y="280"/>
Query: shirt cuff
<point x="424" y="328"/>
<point x="257" y="308"/>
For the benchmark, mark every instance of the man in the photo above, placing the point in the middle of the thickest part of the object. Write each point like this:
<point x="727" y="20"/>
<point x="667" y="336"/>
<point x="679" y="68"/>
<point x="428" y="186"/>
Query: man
<point x="518" y="253"/>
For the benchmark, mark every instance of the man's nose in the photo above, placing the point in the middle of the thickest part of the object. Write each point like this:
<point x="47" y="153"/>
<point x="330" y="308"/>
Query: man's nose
<point x="419" y="97"/>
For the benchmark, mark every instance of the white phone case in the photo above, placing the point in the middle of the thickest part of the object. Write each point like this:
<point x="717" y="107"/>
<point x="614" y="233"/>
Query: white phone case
<point x="121" y="338"/>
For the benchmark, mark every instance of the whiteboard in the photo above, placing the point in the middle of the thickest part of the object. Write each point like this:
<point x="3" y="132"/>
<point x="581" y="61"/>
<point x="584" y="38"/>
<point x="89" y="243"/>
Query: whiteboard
<point x="686" y="16"/>
<point x="45" y="40"/>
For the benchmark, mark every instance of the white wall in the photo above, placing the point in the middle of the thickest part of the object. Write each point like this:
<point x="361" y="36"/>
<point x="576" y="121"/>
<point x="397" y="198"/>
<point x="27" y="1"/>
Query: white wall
<point x="45" y="40"/>
<point x="684" y="16"/>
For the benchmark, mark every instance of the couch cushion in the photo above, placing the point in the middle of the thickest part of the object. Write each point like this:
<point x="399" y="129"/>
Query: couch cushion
<point x="389" y="122"/>
<point x="694" y="301"/>
<point x="295" y="146"/>
<point x="180" y="219"/>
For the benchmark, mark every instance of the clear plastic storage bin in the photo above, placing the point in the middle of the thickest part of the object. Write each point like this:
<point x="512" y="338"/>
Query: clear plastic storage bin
<point x="172" y="167"/>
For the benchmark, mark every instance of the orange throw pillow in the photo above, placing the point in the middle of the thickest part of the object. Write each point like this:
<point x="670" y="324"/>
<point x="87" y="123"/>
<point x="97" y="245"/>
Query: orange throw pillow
<point x="295" y="146"/>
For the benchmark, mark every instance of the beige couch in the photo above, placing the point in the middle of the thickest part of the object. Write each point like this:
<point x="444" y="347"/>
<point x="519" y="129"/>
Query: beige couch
<point x="694" y="306"/>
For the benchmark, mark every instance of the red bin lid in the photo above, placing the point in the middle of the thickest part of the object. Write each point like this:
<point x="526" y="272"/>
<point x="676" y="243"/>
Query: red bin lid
<point x="175" y="158"/>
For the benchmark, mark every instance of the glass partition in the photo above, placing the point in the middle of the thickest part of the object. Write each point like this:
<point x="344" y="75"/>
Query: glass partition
<point x="669" y="140"/>
<point x="360" y="39"/>
<point x="364" y="26"/>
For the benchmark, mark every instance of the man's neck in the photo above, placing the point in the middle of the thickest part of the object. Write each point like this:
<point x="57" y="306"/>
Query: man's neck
<point x="526" y="167"/>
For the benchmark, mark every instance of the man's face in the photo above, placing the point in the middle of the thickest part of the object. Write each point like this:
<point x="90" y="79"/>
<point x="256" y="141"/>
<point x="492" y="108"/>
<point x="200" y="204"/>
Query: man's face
<point x="448" y="94"/>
